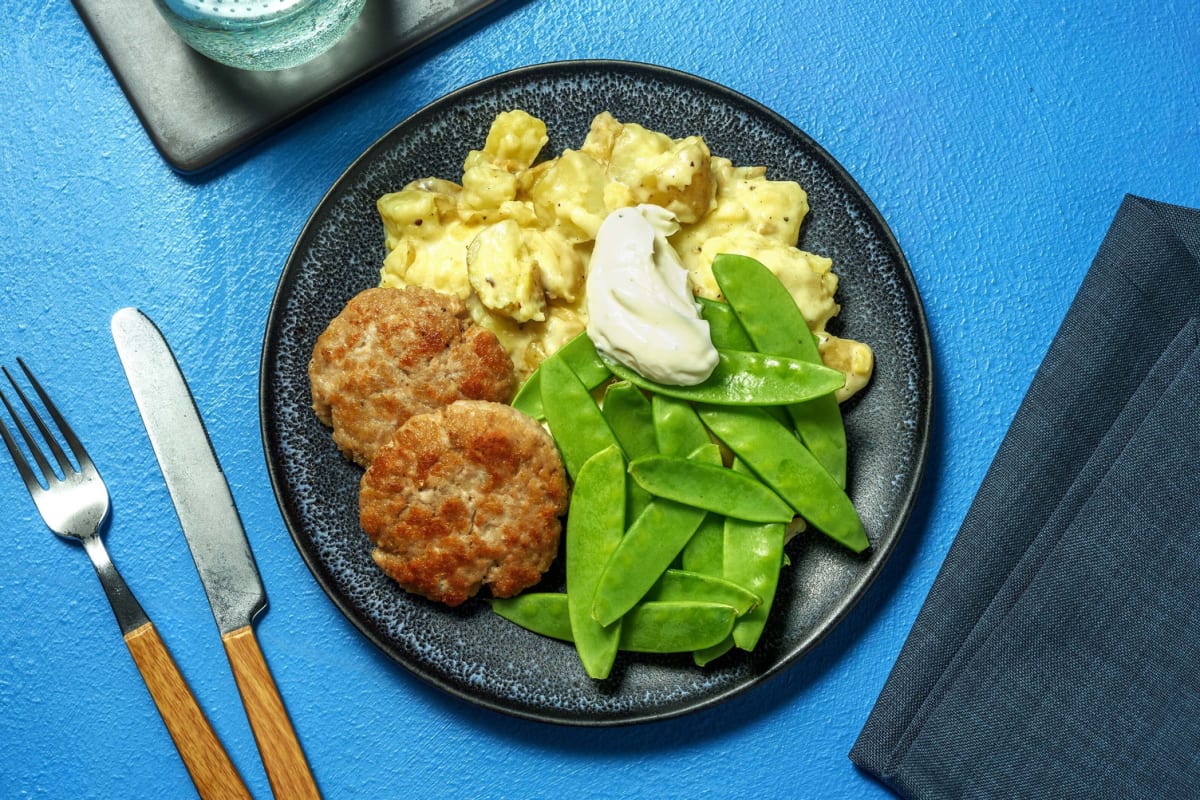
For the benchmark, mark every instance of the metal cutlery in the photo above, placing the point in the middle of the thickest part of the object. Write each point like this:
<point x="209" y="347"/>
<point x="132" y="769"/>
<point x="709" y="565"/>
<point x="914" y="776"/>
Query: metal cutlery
<point x="74" y="502"/>
<point x="216" y="538"/>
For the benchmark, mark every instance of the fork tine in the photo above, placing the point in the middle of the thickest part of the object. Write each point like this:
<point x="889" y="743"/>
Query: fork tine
<point x="31" y="481"/>
<point x="47" y="435"/>
<point x="77" y="448"/>
<point x="30" y="441"/>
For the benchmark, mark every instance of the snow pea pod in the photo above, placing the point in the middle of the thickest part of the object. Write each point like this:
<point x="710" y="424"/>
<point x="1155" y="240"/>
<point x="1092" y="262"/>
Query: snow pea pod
<point x="677" y="428"/>
<point x="703" y="552"/>
<point x="628" y="412"/>
<point x="678" y="584"/>
<point x="546" y="613"/>
<point x="674" y="626"/>
<point x="786" y="465"/>
<point x="724" y="329"/>
<point x="743" y="378"/>
<point x="679" y="431"/>
<point x="713" y="488"/>
<point x="647" y="549"/>
<point x="595" y="524"/>
<point x="528" y="398"/>
<point x="753" y="557"/>
<point x="771" y="319"/>
<point x="581" y="356"/>
<point x="704" y="655"/>
<point x="579" y="428"/>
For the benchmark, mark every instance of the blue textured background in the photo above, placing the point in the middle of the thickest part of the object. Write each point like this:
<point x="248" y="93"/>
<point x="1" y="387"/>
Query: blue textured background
<point x="996" y="138"/>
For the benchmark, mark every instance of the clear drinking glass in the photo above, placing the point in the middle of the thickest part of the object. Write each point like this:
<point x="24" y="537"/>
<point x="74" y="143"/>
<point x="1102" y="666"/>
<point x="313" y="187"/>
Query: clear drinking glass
<point x="260" y="34"/>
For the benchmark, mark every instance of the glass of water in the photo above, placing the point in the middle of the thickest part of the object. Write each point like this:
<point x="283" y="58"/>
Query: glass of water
<point x="260" y="34"/>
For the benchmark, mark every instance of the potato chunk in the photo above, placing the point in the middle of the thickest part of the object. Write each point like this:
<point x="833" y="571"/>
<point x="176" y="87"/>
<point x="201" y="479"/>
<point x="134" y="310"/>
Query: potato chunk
<point x="515" y="139"/>
<point x="504" y="276"/>
<point x="672" y="173"/>
<point x="417" y="211"/>
<point x="569" y="196"/>
<point x="855" y="359"/>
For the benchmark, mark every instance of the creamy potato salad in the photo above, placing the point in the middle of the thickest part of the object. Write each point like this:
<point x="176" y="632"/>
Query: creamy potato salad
<point x="514" y="238"/>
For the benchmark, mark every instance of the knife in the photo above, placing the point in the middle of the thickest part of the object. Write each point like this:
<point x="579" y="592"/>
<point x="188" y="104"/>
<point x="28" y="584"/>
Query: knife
<point x="215" y="536"/>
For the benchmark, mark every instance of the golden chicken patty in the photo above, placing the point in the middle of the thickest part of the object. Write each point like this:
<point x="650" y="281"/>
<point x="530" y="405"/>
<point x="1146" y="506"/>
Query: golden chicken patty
<point x="465" y="497"/>
<point x="393" y="353"/>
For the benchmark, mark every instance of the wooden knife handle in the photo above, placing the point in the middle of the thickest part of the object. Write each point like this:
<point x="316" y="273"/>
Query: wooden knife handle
<point x="207" y="762"/>
<point x="287" y="769"/>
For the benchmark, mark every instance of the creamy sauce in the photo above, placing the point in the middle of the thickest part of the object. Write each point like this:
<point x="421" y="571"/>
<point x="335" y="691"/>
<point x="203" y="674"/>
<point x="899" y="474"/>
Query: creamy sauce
<point x="640" y="309"/>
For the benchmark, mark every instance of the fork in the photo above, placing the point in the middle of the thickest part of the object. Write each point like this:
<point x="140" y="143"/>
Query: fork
<point x="74" y="502"/>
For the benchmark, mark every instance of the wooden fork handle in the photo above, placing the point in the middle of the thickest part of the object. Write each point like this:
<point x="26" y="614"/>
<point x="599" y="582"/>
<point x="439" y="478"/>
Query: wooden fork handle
<point x="212" y="772"/>
<point x="287" y="769"/>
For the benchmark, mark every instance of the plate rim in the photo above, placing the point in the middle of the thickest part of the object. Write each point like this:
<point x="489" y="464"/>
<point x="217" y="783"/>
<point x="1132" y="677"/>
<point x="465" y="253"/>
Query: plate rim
<point x="880" y="552"/>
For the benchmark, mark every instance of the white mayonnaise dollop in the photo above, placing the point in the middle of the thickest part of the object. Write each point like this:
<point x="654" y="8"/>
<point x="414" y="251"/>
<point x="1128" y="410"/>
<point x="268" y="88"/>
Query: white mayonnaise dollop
<point x="640" y="309"/>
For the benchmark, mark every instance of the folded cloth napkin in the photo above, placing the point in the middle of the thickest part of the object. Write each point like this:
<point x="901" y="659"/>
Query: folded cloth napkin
<point x="1058" y="652"/>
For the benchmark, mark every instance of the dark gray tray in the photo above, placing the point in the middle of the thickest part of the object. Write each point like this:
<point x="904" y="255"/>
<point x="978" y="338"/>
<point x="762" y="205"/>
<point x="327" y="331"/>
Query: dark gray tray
<point x="198" y="112"/>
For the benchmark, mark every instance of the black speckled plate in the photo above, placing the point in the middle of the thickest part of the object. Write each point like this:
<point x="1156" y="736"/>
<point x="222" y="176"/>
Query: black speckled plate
<point x="469" y="651"/>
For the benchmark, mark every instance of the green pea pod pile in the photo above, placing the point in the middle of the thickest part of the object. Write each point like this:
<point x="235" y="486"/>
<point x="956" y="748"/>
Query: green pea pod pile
<point x="667" y="548"/>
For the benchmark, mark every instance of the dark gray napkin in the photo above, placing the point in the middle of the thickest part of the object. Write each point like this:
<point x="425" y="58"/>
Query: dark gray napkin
<point x="1058" y="652"/>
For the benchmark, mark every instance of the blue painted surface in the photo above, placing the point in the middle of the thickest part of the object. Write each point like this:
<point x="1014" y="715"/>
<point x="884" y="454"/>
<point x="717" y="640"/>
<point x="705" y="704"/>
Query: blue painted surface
<point x="996" y="138"/>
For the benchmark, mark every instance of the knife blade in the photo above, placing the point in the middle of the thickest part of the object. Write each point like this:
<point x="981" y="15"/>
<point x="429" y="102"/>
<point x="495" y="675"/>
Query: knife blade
<point x="215" y="536"/>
